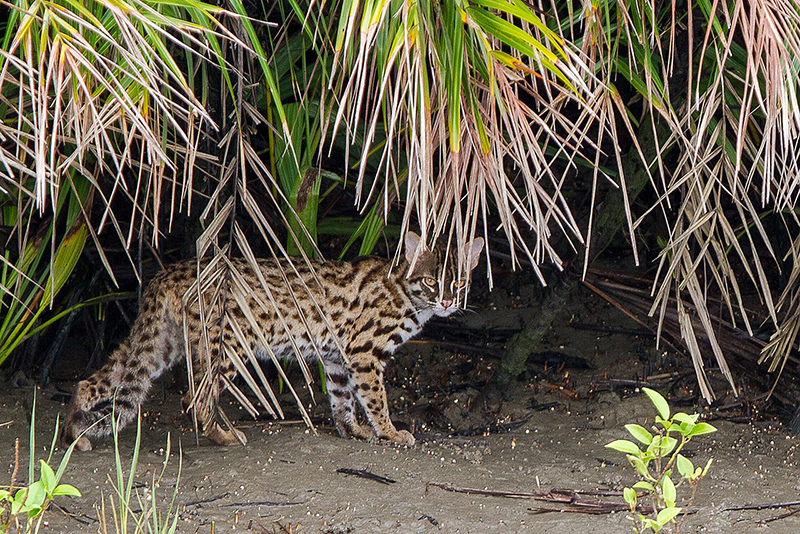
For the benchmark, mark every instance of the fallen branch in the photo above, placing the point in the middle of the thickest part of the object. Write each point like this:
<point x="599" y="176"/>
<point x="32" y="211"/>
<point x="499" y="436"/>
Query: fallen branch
<point x="643" y="332"/>
<point x="768" y="506"/>
<point x="210" y="499"/>
<point x="79" y="517"/>
<point x="566" y="500"/>
<point x="365" y="474"/>
<point x="258" y="503"/>
<point x="492" y="493"/>
<point x="488" y="352"/>
<point x="782" y="516"/>
<point x="595" y="493"/>
<point x="431" y="520"/>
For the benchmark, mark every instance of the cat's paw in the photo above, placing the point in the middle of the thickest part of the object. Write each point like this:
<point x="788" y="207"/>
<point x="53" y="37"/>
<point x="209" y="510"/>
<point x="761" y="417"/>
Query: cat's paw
<point x="359" y="432"/>
<point x="403" y="437"/>
<point x="83" y="444"/>
<point x="76" y="424"/>
<point x="221" y="436"/>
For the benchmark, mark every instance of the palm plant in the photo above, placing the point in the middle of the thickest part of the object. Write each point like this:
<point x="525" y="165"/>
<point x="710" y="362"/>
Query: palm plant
<point x="469" y="116"/>
<point x="474" y="97"/>
<point x="469" y="89"/>
<point x="105" y="103"/>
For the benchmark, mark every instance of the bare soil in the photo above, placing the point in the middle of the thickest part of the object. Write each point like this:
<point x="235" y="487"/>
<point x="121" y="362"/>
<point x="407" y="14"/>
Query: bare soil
<point x="546" y="431"/>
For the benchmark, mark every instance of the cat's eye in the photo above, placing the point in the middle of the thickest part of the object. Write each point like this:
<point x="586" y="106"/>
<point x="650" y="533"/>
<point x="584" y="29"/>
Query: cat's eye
<point x="430" y="282"/>
<point x="459" y="284"/>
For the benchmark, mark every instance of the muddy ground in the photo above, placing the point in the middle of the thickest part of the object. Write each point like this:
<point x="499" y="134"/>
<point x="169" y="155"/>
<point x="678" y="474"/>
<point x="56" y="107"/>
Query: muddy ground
<point x="546" y="431"/>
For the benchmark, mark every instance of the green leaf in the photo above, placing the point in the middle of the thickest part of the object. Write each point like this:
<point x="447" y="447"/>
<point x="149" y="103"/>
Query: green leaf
<point x="67" y="256"/>
<point x="700" y="429"/>
<point x="630" y="496"/>
<point x="685" y="466"/>
<point x="640" y="466"/>
<point x="640" y="433"/>
<point x="19" y="501"/>
<point x="668" y="445"/>
<point x="667" y="514"/>
<point x="698" y="473"/>
<point x="644" y="485"/>
<point x="658" y="401"/>
<point x="48" y="477"/>
<point x="668" y="490"/>
<point x="67" y="489"/>
<point x="36" y="495"/>
<point x="655" y="446"/>
<point x="649" y="523"/>
<point x="623" y="445"/>
<point x="685" y="428"/>
<point x="520" y="10"/>
<point x="686" y="418"/>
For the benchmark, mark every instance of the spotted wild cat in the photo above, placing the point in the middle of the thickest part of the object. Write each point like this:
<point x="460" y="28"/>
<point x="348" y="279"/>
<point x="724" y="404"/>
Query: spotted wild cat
<point x="372" y="312"/>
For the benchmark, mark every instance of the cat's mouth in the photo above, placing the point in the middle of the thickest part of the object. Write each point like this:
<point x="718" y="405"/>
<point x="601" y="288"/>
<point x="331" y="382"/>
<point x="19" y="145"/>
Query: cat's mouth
<point x="445" y="309"/>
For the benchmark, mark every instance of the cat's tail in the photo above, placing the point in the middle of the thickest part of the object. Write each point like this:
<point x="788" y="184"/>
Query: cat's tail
<point x="113" y="393"/>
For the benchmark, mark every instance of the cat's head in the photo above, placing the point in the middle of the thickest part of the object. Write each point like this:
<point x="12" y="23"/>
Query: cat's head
<point x="434" y="283"/>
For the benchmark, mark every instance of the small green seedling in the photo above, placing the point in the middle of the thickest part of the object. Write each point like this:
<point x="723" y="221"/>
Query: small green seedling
<point x="34" y="499"/>
<point x="31" y="501"/>
<point x="655" y="463"/>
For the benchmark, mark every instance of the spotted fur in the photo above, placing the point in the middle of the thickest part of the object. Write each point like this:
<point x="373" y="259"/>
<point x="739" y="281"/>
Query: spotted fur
<point x="372" y="310"/>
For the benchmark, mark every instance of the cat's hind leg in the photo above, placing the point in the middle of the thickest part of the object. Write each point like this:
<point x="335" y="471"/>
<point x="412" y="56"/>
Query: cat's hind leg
<point x="342" y="400"/>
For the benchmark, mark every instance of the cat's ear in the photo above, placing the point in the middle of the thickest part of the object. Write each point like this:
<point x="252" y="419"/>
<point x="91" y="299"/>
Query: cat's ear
<point x="413" y="242"/>
<point x="475" y="249"/>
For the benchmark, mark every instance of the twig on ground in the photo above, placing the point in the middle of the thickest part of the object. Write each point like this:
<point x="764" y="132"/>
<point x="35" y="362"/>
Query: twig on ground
<point x="594" y="493"/>
<point x="622" y="383"/>
<point x="768" y="506"/>
<point x="598" y="508"/>
<point x="611" y="330"/>
<point x="210" y="499"/>
<point x="431" y="520"/>
<point x="249" y="504"/>
<point x="740" y="402"/>
<point x="80" y="518"/>
<point x="782" y="516"/>
<point x="476" y="491"/>
<point x="460" y="347"/>
<point x="565" y="500"/>
<point x="365" y="474"/>
<point x="535" y="494"/>
<point x="607" y="462"/>
<point x="623" y="309"/>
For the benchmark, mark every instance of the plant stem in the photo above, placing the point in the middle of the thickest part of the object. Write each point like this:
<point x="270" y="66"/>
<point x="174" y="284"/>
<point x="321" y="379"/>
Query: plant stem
<point x="688" y="505"/>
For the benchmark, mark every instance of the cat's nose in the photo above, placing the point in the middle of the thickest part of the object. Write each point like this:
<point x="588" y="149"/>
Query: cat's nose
<point x="447" y="303"/>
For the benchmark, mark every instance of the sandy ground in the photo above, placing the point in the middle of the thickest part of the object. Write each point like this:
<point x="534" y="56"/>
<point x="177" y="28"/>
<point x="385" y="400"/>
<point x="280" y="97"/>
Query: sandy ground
<point x="286" y="479"/>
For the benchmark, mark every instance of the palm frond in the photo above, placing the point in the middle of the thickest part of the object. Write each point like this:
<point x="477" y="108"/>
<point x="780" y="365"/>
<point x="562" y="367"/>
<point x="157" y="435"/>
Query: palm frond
<point x="459" y="89"/>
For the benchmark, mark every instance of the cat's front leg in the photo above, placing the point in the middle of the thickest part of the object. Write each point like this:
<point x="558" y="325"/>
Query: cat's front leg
<point x="366" y="383"/>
